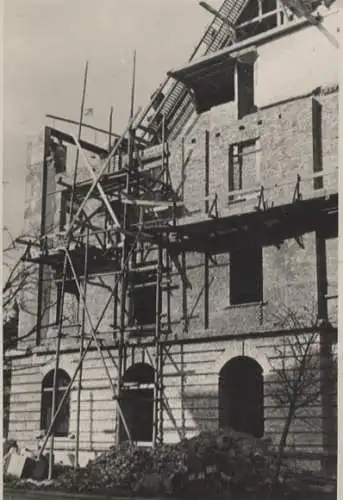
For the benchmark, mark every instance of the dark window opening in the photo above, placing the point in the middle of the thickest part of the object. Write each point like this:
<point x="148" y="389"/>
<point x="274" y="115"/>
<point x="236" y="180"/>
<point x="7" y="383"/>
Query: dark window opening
<point x="218" y="89"/>
<point x="137" y="403"/>
<point x="60" y="157"/>
<point x="143" y="298"/>
<point x="246" y="283"/>
<point x="6" y="399"/>
<point x="317" y="144"/>
<point x="58" y="286"/>
<point x="241" y="396"/>
<point x="245" y="90"/>
<point x="63" y="211"/>
<point x="243" y="167"/>
<point x="61" y="426"/>
<point x="259" y="16"/>
<point x="10" y="328"/>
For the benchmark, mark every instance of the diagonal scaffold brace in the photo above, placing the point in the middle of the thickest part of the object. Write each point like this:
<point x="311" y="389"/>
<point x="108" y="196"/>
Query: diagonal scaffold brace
<point x="69" y="236"/>
<point x="97" y="177"/>
<point x="86" y="349"/>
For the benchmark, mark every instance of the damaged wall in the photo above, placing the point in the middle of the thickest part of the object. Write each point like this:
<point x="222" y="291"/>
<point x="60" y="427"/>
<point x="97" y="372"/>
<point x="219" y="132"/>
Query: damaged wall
<point x="285" y="129"/>
<point x="285" y="148"/>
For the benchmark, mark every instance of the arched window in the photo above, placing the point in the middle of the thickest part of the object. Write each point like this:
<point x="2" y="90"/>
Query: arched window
<point x="137" y="402"/>
<point x="61" y="427"/>
<point x="241" y="396"/>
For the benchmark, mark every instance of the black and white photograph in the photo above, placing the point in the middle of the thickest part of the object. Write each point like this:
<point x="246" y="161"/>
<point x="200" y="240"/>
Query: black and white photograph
<point x="170" y="249"/>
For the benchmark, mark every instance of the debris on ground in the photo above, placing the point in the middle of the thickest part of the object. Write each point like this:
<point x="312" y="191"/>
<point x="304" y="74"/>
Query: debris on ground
<point x="23" y="463"/>
<point x="210" y="463"/>
<point x="224" y="464"/>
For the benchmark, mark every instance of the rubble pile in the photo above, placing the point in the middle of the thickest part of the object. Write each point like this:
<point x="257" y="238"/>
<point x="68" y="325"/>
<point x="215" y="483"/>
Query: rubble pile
<point x="209" y="462"/>
<point x="225" y="464"/>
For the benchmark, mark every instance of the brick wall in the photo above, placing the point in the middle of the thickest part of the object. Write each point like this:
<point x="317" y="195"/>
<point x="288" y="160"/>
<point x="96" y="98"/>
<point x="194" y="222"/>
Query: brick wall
<point x="285" y="134"/>
<point x="191" y="370"/>
<point x="332" y="278"/>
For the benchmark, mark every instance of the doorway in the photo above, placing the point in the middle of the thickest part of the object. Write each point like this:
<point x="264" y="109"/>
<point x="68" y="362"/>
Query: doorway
<point x="137" y="403"/>
<point x="241" y="396"/>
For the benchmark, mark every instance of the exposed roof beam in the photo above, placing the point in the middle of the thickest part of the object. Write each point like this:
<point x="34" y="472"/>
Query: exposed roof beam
<point x="216" y="13"/>
<point x="211" y="60"/>
<point x="84" y="125"/>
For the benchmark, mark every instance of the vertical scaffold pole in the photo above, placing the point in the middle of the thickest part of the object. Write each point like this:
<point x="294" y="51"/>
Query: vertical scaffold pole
<point x="121" y="347"/>
<point x="61" y="298"/>
<point x="82" y="339"/>
<point x="133" y="85"/>
<point x="82" y="108"/>
<point x="44" y="190"/>
<point x="158" y="392"/>
<point x="207" y="170"/>
<point x="57" y="360"/>
<point x="110" y="131"/>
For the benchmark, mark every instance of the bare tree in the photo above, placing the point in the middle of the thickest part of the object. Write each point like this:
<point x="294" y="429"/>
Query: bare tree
<point x="296" y="373"/>
<point x="20" y="281"/>
<point x="17" y="278"/>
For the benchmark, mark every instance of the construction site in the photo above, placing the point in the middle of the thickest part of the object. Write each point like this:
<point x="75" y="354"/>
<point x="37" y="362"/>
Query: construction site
<point x="180" y="269"/>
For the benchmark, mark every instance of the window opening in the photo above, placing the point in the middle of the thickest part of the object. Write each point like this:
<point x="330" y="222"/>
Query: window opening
<point x="246" y="280"/>
<point x="137" y="403"/>
<point x="244" y="166"/>
<point x="61" y="426"/>
<point x="143" y="298"/>
<point x="259" y="16"/>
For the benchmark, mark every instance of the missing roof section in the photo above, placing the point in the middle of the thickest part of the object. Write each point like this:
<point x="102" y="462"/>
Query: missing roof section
<point x="211" y="80"/>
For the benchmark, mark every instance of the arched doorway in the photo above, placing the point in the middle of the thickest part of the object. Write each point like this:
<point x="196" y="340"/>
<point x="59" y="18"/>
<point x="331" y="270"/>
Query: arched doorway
<point x="137" y="403"/>
<point x="241" y="396"/>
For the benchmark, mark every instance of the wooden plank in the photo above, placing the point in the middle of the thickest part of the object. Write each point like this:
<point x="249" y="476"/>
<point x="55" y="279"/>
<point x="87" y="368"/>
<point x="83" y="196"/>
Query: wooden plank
<point x="63" y="136"/>
<point x="150" y="203"/>
<point x="242" y="192"/>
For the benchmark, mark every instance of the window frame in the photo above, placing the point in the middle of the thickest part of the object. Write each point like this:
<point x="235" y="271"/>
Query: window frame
<point x="143" y="279"/>
<point x="63" y="418"/>
<point x="6" y="400"/>
<point x="263" y="15"/>
<point x="255" y="141"/>
<point x="137" y="289"/>
<point x="138" y="394"/>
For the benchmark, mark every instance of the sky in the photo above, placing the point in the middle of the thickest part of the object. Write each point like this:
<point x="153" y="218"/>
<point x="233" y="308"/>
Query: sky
<point x="46" y="44"/>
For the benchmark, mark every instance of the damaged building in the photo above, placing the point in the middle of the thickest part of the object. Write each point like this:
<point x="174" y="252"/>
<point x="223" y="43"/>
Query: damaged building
<point x="179" y="273"/>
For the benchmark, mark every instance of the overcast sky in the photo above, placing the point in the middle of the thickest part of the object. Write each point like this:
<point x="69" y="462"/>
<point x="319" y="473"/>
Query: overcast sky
<point x="46" y="45"/>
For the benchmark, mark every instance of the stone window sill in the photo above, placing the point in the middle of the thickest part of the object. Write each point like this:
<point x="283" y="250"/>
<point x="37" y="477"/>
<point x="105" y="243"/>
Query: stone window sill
<point x="245" y="305"/>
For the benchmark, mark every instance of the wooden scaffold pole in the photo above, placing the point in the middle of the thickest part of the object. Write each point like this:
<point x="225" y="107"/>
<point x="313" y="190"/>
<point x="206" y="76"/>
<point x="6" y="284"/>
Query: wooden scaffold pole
<point x="61" y="298"/>
<point x="82" y="108"/>
<point x="82" y="341"/>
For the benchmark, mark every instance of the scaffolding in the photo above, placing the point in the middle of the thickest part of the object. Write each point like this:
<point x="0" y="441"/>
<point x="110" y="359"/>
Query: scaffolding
<point x="130" y="200"/>
<point x="138" y="208"/>
<point x="138" y="235"/>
